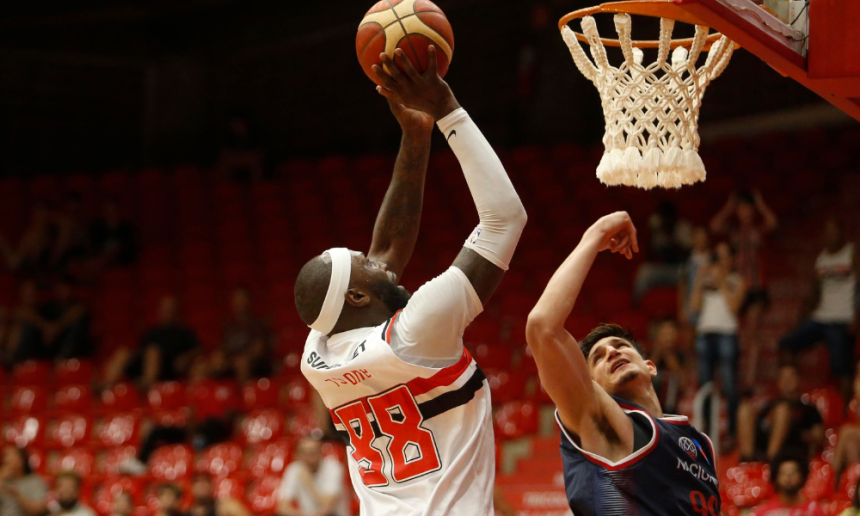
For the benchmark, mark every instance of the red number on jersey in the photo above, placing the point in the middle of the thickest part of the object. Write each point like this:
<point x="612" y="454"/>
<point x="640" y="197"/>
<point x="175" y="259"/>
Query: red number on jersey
<point x="368" y="458"/>
<point x="708" y="508"/>
<point x="412" y="448"/>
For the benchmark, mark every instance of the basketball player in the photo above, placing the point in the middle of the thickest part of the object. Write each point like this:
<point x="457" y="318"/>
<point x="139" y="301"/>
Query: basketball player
<point x="392" y="369"/>
<point x="621" y="454"/>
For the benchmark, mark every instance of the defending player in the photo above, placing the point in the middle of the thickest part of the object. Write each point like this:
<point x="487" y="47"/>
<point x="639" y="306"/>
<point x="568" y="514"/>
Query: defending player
<point x="621" y="454"/>
<point x="392" y="368"/>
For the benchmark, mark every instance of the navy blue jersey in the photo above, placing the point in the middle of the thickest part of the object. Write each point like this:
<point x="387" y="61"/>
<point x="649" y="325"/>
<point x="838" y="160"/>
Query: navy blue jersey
<point x="673" y="473"/>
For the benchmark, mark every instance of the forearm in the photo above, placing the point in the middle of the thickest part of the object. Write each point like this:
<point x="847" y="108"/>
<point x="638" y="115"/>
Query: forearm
<point x="770" y="220"/>
<point x="396" y="228"/>
<point x="502" y="215"/>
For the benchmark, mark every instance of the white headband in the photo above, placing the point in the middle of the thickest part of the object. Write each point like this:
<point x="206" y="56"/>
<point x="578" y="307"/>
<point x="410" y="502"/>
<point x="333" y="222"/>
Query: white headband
<point x="341" y="268"/>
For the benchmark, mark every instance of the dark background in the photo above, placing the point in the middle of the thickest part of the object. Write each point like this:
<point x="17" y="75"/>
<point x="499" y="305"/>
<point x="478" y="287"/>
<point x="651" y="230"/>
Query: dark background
<point x="90" y="86"/>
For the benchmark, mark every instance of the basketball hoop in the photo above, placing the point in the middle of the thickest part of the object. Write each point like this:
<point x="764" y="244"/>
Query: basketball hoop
<point x="652" y="111"/>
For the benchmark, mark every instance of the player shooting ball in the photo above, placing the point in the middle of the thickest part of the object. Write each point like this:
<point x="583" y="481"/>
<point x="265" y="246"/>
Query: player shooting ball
<point x="391" y="367"/>
<point x="621" y="454"/>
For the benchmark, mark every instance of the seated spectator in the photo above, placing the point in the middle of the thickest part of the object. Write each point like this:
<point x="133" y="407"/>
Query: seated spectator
<point x="166" y="351"/>
<point x="833" y="310"/>
<point x="112" y="239"/>
<point x="169" y="498"/>
<point x="123" y="504"/>
<point x="718" y="293"/>
<point x="68" y="503"/>
<point x="784" y="425"/>
<point x="671" y="361"/>
<point x="848" y="440"/>
<point x="748" y="238"/>
<point x="22" y="492"/>
<point x="700" y="256"/>
<point x="312" y="485"/>
<point x="667" y="248"/>
<point x="788" y="475"/>
<point x="204" y="503"/>
<point x="72" y="239"/>
<point x="56" y="329"/>
<point x="246" y="352"/>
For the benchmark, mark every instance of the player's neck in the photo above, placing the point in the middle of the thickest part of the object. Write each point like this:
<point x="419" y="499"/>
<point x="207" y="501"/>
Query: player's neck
<point x="647" y="399"/>
<point x="353" y="318"/>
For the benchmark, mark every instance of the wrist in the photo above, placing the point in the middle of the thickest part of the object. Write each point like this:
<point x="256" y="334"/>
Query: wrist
<point x="445" y="107"/>
<point x="414" y="135"/>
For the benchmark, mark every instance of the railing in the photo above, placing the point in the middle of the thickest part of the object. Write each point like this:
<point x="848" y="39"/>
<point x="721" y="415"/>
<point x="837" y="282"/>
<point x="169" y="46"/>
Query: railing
<point x="705" y="392"/>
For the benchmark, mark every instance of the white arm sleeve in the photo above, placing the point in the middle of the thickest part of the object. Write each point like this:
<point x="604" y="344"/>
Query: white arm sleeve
<point x="502" y="216"/>
<point x="429" y="331"/>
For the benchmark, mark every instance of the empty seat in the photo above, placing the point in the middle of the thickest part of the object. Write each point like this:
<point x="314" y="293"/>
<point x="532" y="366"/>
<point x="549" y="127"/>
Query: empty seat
<point x="220" y="460"/>
<point x="25" y="430"/>
<point x="261" y="426"/>
<point x="73" y="398"/>
<point x="79" y="460"/>
<point x="69" y="430"/>
<point x="263" y="495"/>
<point x="260" y="394"/>
<point x="166" y="396"/>
<point x="506" y="385"/>
<point x="169" y="463"/>
<point x="829" y="403"/>
<point x="74" y="371"/>
<point x="31" y="372"/>
<point x="29" y="400"/>
<point x="516" y="419"/>
<point x="270" y="458"/>
<point x="108" y="464"/>
<point x="120" y="398"/>
<point x="118" y="429"/>
<point x="748" y="484"/>
<point x="209" y="398"/>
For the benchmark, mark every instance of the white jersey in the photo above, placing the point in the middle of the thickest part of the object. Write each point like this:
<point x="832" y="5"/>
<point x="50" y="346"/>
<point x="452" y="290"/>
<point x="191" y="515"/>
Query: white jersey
<point x="420" y="437"/>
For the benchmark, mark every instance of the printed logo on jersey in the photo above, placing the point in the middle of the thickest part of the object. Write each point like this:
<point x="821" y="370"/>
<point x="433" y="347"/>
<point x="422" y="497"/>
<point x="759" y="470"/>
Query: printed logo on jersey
<point x="689" y="447"/>
<point x="475" y="236"/>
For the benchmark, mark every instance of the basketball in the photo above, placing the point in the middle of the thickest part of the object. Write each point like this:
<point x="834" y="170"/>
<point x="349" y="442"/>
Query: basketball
<point x="410" y="25"/>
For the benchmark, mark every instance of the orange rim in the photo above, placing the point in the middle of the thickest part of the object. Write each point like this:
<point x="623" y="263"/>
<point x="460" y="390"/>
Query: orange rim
<point x="652" y="8"/>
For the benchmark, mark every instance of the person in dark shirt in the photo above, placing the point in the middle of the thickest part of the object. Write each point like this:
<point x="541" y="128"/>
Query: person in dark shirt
<point x="246" y="350"/>
<point x="165" y="352"/>
<point x="112" y="239"/>
<point x="785" y="425"/>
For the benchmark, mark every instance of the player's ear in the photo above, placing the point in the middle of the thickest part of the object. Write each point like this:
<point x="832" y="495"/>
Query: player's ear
<point x="652" y="368"/>
<point x="357" y="297"/>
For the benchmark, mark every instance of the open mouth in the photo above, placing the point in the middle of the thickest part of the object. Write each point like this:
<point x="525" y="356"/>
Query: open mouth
<point x="618" y="365"/>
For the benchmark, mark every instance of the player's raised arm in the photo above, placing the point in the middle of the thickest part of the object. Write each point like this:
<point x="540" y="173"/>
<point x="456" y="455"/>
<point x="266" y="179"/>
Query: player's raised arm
<point x="399" y="218"/>
<point x="563" y="369"/>
<point x="491" y="246"/>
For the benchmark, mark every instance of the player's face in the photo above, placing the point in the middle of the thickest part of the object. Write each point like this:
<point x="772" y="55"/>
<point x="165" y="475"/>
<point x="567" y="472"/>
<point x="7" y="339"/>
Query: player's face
<point x="381" y="282"/>
<point x="789" y="479"/>
<point x="616" y="366"/>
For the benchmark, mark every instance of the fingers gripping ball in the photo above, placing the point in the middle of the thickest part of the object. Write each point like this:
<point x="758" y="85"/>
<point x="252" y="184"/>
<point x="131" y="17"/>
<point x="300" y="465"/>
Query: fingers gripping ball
<point x="410" y="25"/>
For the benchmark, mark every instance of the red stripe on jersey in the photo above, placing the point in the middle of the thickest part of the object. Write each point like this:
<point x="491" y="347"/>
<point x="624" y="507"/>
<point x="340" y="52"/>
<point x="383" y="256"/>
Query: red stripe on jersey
<point x="391" y="325"/>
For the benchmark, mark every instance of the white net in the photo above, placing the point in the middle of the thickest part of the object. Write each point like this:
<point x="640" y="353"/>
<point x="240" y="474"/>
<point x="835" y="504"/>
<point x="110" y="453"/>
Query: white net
<point x="651" y="112"/>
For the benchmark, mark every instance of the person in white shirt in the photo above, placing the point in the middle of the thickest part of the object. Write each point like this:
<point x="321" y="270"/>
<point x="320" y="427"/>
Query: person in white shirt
<point x="833" y="309"/>
<point x="391" y="367"/>
<point x="313" y="485"/>
<point x="68" y="503"/>
<point x="718" y="294"/>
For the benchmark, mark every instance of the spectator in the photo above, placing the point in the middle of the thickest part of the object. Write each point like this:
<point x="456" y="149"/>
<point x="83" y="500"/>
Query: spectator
<point x="848" y="439"/>
<point x="33" y="252"/>
<point x="668" y="247"/>
<point x="22" y="492"/>
<point x="204" y="503"/>
<point x="123" y="504"/>
<point x="699" y="256"/>
<point x="671" y="362"/>
<point x="56" y="329"/>
<point x="166" y="351"/>
<point x="169" y="500"/>
<point x="112" y="239"/>
<point x="833" y="307"/>
<point x="784" y="425"/>
<point x="718" y="292"/>
<point x="748" y="238"/>
<point x="312" y="485"/>
<point x="72" y="239"/>
<point x="68" y="503"/>
<point x="788" y="475"/>
<point x="246" y="352"/>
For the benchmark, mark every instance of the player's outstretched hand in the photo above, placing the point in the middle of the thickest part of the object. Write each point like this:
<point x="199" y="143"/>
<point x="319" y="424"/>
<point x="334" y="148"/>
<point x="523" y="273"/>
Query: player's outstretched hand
<point x="404" y="84"/>
<point x="617" y="234"/>
<point x="411" y="121"/>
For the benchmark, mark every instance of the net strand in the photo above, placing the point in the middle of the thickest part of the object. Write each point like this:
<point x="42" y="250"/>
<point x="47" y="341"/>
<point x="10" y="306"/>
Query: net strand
<point x="651" y="111"/>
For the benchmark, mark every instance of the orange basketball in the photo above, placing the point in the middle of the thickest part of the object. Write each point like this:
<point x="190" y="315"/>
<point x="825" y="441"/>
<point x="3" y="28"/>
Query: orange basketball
<point x="410" y="25"/>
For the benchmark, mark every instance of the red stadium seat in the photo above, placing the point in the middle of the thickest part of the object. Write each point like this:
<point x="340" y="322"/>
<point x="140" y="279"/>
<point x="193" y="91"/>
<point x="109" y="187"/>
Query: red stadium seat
<point x="229" y="487"/>
<point x="262" y="426"/>
<point x="263" y="495"/>
<point x="516" y="419"/>
<point x="506" y="385"/>
<point x="25" y="431"/>
<point x="493" y="356"/>
<point x="29" y="400"/>
<point x="170" y="463"/>
<point x="220" y="460"/>
<point x="121" y="397"/>
<point x="108" y="464"/>
<point x="73" y="398"/>
<point x="848" y="483"/>
<point x="209" y="398"/>
<point x="79" y="460"/>
<point x="829" y="403"/>
<point x="166" y="396"/>
<point x="260" y="394"/>
<point x="178" y="417"/>
<point x="74" y="371"/>
<point x="298" y="393"/>
<point x="103" y="496"/>
<point x="118" y="429"/>
<point x="608" y="301"/>
<point x="660" y="303"/>
<point x="69" y="430"/>
<point x="270" y="458"/>
<point x="820" y="484"/>
<point x="748" y="484"/>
